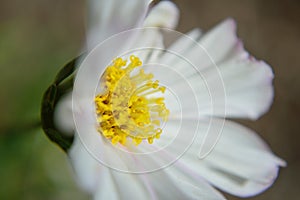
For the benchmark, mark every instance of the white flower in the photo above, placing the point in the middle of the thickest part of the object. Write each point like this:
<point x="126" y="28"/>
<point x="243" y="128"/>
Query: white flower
<point x="240" y="163"/>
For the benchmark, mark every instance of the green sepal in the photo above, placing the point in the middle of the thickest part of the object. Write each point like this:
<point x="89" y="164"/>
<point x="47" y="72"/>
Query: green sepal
<point x="66" y="71"/>
<point x="62" y="84"/>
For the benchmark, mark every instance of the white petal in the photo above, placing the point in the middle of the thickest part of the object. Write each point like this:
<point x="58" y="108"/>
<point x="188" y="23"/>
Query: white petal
<point x="147" y="41"/>
<point x="99" y="180"/>
<point x="165" y="14"/>
<point x="248" y="89"/>
<point x="240" y="163"/>
<point x="107" y="18"/>
<point x="207" y="50"/>
<point x="105" y="183"/>
<point x="107" y="187"/>
<point x="84" y="165"/>
<point x="247" y="82"/>
<point x="180" y="46"/>
<point x="181" y="182"/>
<point x="63" y="116"/>
<point x="172" y="184"/>
<point x="118" y="185"/>
<point x="223" y="76"/>
<point x="219" y="41"/>
<point x="238" y="89"/>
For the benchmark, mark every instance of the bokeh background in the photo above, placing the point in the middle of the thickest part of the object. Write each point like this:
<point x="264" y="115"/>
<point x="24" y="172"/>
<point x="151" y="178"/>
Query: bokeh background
<point x="39" y="36"/>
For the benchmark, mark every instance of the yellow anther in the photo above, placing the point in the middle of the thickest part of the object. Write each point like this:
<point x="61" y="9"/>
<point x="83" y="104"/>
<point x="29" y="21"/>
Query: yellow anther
<point x="150" y="140"/>
<point x="155" y="84"/>
<point x="115" y="139"/>
<point x="162" y="89"/>
<point x="124" y="109"/>
<point x="137" y="141"/>
<point x="119" y="62"/>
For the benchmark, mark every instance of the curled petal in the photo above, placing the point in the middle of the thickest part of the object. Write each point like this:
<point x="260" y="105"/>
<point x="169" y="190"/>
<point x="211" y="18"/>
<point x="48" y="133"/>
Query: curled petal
<point x="165" y="15"/>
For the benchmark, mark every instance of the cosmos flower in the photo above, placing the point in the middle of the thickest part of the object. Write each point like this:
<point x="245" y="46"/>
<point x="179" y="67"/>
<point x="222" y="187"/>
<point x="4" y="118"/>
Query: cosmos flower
<point x="110" y="153"/>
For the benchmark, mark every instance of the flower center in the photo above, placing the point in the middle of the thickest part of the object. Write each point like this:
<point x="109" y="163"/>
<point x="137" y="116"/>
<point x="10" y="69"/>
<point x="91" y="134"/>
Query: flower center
<point x="130" y="106"/>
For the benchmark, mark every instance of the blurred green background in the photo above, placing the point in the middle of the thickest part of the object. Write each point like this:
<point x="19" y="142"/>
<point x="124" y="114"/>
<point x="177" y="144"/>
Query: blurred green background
<point x="38" y="36"/>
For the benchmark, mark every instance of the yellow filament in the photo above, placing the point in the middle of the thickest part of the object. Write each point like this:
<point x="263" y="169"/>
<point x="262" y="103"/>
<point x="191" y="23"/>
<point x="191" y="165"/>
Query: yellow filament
<point x="126" y="107"/>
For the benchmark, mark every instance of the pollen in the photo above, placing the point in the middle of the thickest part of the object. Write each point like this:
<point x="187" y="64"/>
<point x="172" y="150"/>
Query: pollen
<point x="130" y="105"/>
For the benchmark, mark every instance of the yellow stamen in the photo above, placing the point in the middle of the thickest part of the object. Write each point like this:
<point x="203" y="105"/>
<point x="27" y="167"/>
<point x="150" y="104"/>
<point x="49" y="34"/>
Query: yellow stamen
<point x="125" y="109"/>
